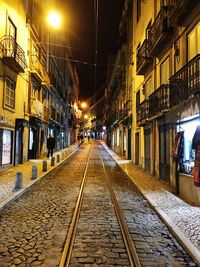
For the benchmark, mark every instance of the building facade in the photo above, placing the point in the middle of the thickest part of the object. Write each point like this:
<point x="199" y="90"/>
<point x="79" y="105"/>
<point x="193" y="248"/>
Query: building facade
<point x="34" y="81"/>
<point x="165" y="81"/>
<point x="119" y="89"/>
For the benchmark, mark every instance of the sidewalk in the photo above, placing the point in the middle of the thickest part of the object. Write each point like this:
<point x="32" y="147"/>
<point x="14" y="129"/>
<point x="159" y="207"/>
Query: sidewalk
<point x="8" y="177"/>
<point x="182" y="218"/>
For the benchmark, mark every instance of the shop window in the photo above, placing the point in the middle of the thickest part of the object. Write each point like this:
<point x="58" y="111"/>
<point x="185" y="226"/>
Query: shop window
<point x="188" y="157"/>
<point x="7" y="147"/>
<point x="10" y="93"/>
<point x="117" y="141"/>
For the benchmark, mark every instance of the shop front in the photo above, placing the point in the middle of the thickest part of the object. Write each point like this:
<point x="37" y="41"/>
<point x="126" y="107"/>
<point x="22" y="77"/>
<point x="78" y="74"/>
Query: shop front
<point x="19" y="140"/>
<point x="6" y="146"/>
<point x="187" y="153"/>
<point x="34" y="138"/>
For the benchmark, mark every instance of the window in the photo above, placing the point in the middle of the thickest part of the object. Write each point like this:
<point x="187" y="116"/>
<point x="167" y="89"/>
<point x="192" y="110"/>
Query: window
<point x="148" y="87"/>
<point x="138" y="9"/>
<point x="118" y="137"/>
<point x="194" y="42"/>
<point x="137" y="99"/>
<point x="10" y="93"/>
<point x="12" y="30"/>
<point x="147" y="29"/>
<point x="164" y="72"/>
<point x="34" y="90"/>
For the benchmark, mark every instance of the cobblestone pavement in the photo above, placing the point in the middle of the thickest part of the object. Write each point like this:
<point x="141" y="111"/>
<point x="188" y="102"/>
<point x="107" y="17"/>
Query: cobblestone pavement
<point x="154" y="243"/>
<point x="8" y="177"/>
<point x="182" y="218"/>
<point x="33" y="228"/>
<point x="98" y="239"/>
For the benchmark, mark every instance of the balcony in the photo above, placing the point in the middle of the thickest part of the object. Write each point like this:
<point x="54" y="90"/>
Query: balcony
<point x="128" y="108"/>
<point x="53" y="113"/>
<point x="36" y="68"/>
<point x="159" y="34"/>
<point x="179" y="10"/>
<point x="143" y="60"/>
<point x="37" y="108"/>
<point x="142" y="112"/>
<point x="159" y="101"/>
<point x="12" y="54"/>
<point x="46" y="114"/>
<point x="185" y="83"/>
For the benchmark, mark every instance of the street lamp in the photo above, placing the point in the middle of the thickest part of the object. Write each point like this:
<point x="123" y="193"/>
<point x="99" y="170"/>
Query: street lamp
<point x="54" y="20"/>
<point x="85" y="116"/>
<point x="83" y="105"/>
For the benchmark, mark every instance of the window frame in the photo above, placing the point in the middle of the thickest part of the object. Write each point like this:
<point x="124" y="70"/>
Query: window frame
<point x="8" y="91"/>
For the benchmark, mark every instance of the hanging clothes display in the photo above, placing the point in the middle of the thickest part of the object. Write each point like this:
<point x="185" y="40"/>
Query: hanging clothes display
<point x="177" y="152"/>
<point x="196" y="146"/>
<point x="196" y="138"/>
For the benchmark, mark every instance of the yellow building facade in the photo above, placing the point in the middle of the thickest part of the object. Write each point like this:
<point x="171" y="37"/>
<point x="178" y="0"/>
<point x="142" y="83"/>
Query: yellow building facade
<point x="166" y="37"/>
<point x="37" y="83"/>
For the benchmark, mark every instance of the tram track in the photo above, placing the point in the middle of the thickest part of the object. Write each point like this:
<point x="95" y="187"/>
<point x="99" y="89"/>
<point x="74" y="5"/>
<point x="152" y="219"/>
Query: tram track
<point x="67" y="251"/>
<point x="33" y="229"/>
<point x="142" y="240"/>
<point x="65" y="259"/>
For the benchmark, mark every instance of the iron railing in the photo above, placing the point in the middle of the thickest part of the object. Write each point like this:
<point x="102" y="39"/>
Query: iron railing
<point x="143" y="60"/>
<point x="179" y="10"/>
<point x="159" y="27"/>
<point x="128" y="108"/>
<point x="186" y="82"/>
<point x="159" y="100"/>
<point x="142" y="112"/>
<point x="10" y="50"/>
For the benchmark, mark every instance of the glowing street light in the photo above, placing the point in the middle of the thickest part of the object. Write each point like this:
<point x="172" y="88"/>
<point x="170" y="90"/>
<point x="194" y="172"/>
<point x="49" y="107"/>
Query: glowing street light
<point x="83" y="104"/>
<point x="54" y="19"/>
<point x="85" y="116"/>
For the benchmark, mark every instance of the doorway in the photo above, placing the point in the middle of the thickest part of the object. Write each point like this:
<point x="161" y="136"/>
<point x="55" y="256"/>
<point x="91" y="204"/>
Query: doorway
<point x="147" y="150"/>
<point x="164" y="152"/>
<point x="137" y="141"/>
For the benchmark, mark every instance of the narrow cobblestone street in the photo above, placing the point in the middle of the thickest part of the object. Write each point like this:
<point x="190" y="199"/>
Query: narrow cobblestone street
<point x="34" y="227"/>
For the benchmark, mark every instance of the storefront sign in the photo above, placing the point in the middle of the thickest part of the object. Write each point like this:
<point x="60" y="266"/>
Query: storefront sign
<point x="190" y="111"/>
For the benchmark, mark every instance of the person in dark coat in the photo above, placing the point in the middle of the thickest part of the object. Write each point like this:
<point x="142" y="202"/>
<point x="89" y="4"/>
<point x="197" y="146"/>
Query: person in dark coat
<point x="50" y="145"/>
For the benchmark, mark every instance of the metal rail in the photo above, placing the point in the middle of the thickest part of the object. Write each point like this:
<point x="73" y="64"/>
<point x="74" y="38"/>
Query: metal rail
<point x="130" y="247"/>
<point x="66" y="254"/>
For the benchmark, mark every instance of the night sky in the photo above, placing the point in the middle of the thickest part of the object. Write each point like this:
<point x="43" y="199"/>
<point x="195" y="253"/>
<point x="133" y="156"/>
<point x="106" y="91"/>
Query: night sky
<point x="81" y="27"/>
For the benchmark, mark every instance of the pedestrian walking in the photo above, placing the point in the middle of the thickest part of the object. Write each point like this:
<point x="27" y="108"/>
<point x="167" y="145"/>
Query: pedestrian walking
<point x="50" y="145"/>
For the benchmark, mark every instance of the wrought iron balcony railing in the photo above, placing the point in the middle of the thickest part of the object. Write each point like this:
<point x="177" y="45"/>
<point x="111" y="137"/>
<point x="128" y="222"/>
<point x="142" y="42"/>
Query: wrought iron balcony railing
<point x="186" y="82"/>
<point x="179" y="10"/>
<point x="53" y="113"/>
<point x="37" y="108"/>
<point x="128" y="108"/>
<point x="159" y="101"/>
<point x="159" y="33"/>
<point x="143" y="60"/>
<point x="12" y="54"/>
<point x="142" y="112"/>
<point x="46" y="113"/>
<point x="36" y="67"/>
